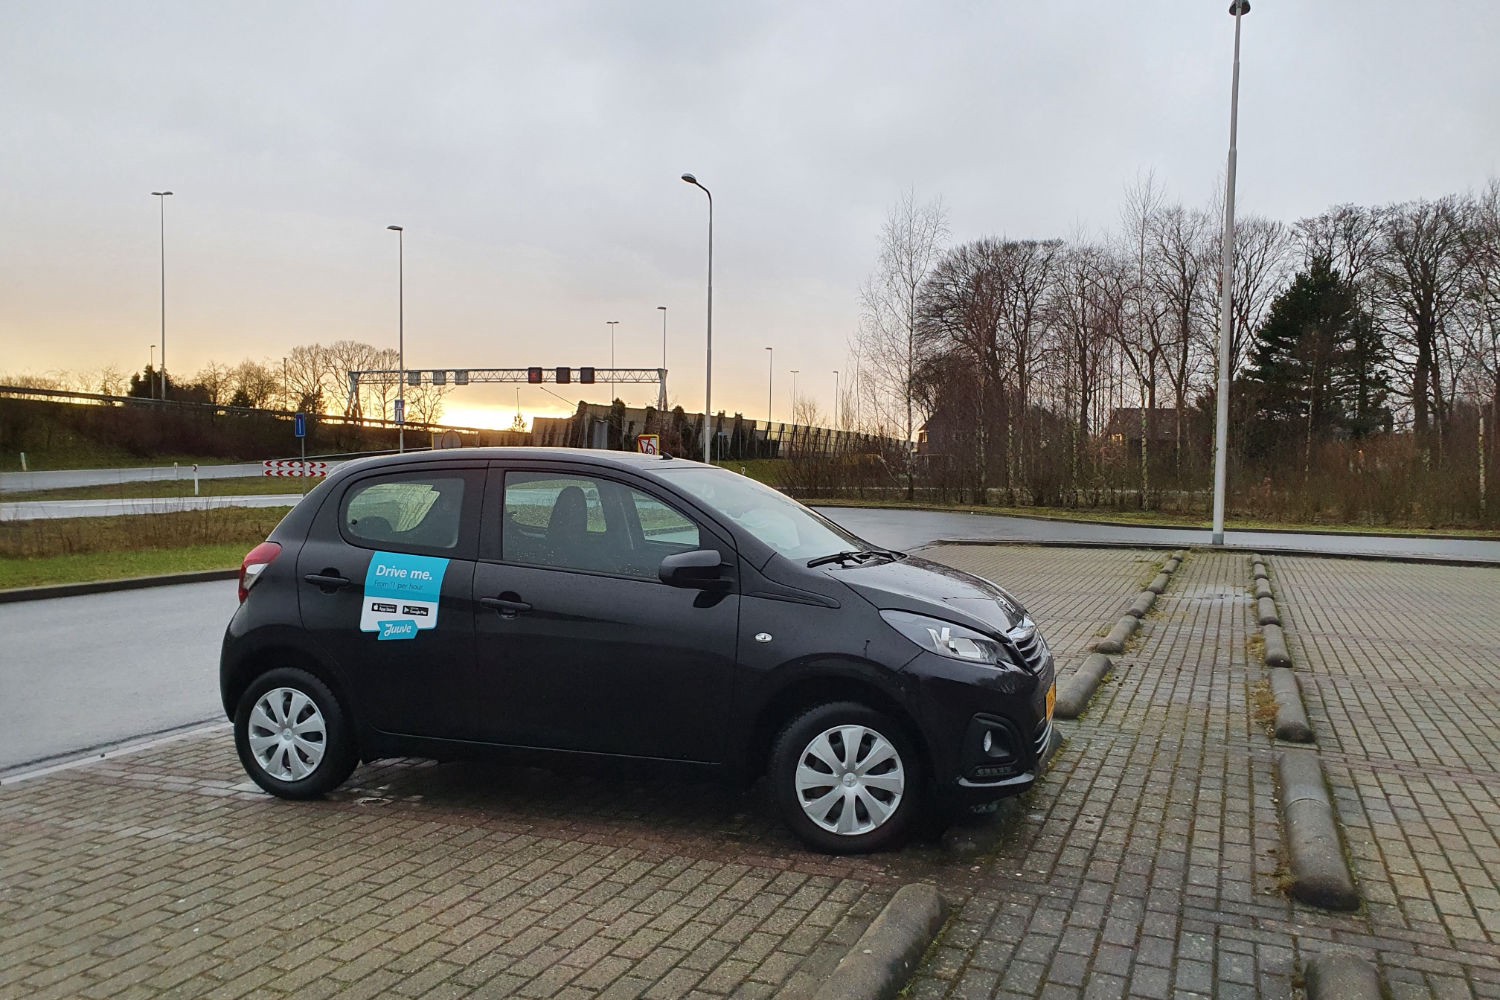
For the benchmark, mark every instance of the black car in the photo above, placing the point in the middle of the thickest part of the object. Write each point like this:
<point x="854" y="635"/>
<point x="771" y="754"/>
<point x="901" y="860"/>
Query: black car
<point x="551" y="605"/>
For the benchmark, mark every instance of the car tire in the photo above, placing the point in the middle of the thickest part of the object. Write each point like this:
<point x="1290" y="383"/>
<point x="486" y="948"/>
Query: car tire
<point x="292" y="736"/>
<point x="846" y="778"/>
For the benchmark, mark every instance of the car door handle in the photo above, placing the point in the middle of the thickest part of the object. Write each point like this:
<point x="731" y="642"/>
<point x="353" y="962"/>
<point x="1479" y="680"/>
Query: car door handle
<point x="328" y="581"/>
<point x="507" y="609"/>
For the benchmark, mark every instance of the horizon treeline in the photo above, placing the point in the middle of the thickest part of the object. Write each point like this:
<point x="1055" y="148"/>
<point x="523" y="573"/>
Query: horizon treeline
<point x="1365" y="349"/>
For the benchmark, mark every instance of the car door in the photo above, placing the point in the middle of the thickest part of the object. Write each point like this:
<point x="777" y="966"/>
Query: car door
<point x="386" y="589"/>
<point x="580" y="644"/>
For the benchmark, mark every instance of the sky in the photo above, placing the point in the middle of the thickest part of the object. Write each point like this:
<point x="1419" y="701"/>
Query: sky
<point x="532" y="153"/>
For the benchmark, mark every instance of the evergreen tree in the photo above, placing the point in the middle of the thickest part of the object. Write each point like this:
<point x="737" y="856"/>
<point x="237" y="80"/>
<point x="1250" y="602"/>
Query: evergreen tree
<point x="1318" y="367"/>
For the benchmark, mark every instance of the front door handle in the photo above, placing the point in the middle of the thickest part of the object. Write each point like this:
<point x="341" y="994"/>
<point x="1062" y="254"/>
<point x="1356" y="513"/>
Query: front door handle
<point x="507" y="609"/>
<point x="329" y="580"/>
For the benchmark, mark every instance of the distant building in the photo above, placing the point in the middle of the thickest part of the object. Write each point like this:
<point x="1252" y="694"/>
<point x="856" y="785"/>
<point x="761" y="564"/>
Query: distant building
<point x="1125" y="428"/>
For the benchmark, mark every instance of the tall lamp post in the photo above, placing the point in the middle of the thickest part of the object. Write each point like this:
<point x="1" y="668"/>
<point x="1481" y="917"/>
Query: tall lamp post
<point x="611" y="323"/>
<point x="770" y="378"/>
<point x="163" y="196"/>
<point x="400" y="336"/>
<point x="794" y="372"/>
<point x="661" y="402"/>
<point x="1239" y="8"/>
<point x="151" y="360"/>
<point x="708" y="373"/>
<point x="835" y="399"/>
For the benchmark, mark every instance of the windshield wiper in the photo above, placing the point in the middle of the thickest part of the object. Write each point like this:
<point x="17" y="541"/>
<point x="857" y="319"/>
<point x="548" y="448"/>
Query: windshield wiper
<point x="853" y="556"/>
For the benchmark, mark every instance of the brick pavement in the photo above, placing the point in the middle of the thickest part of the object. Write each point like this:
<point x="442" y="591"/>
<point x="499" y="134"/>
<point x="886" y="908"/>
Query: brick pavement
<point x="1145" y="864"/>
<point x="1400" y="671"/>
<point x="1149" y="862"/>
<point x="162" y="873"/>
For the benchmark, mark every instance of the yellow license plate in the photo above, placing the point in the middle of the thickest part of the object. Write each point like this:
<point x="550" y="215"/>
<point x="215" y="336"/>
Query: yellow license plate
<point x="1051" y="700"/>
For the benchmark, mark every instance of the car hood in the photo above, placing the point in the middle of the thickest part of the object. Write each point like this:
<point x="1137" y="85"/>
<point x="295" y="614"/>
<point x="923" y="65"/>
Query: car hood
<point x="925" y="587"/>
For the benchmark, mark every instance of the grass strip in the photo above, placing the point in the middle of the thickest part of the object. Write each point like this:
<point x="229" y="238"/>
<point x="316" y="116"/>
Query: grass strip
<point x="170" y="488"/>
<point x="97" y="566"/>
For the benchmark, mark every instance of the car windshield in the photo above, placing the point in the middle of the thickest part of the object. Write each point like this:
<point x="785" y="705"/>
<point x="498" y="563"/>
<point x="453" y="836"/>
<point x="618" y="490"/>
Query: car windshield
<point x="773" y="518"/>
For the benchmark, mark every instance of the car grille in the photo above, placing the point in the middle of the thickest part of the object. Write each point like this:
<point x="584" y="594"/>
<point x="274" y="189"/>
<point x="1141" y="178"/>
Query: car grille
<point x="1028" y="642"/>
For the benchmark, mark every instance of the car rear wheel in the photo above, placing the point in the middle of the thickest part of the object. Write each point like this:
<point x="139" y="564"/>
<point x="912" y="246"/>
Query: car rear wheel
<point x="846" y="778"/>
<point x="291" y="734"/>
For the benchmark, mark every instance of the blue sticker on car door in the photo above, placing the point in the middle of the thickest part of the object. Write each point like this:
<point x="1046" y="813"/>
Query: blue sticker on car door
<point x="401" y="595"/>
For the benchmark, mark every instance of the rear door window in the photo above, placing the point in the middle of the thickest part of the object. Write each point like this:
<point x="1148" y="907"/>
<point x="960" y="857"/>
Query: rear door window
<point x="408" y="512"/>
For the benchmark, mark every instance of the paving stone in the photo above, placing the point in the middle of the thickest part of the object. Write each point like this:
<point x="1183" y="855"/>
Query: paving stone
<point x="1146" y="861"/>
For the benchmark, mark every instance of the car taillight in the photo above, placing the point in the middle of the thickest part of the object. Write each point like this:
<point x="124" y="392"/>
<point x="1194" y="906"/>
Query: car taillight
<point x="255" y="563"/>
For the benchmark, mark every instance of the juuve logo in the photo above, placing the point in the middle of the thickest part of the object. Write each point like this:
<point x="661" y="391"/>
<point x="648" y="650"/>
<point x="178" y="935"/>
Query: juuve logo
<point x="398" y="630"/>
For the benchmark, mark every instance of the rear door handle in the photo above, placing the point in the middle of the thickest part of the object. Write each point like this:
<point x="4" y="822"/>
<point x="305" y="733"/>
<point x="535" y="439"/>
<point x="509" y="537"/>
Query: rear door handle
<point x="507" y="609"/>
<point x="328" y="581"/>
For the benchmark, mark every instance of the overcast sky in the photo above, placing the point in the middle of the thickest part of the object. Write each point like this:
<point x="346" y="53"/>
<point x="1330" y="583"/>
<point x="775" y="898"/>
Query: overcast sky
<point x="532" y="151"/>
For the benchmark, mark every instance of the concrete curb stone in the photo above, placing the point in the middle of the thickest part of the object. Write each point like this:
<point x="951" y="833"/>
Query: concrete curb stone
<point x="1276" y="649"/>
<point x="1258" y="570"/>
<point x="1074" y="694"/>
<point x="1341" y="977"/>
<point x="1142" y="604"/>
<point x="1160" y="583"/>
<point x="883" y="959"/>
<point x="1267" y="613"/>
<point x="1118" y="636"/>
<point x="1291" y="715"/>
<point x="1262" y="588"/>
<point x="106" y="586"/>
<point x="1320" y="875"/>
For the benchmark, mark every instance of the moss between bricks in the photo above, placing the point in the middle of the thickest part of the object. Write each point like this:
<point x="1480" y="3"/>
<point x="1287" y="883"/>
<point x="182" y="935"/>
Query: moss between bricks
<point x="1265" y="708"/>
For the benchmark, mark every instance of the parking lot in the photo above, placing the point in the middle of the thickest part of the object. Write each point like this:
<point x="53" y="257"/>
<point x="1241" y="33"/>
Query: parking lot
<point x="1148" y="863"/>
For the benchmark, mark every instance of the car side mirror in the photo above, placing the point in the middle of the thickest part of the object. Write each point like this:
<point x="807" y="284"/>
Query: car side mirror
<point x="700" y="570"/>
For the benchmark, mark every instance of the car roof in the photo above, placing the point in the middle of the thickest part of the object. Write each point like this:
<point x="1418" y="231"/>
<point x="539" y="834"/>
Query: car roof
<point x="633" y="461"/>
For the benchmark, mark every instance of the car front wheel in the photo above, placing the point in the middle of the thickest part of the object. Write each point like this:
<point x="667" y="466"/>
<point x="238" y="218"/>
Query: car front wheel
<point x="292" y="736"/>
<point x="846" y="779"/>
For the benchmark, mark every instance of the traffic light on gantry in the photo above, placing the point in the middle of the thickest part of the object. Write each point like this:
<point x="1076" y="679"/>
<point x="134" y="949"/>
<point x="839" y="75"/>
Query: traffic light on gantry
<point x="534" y="376"/>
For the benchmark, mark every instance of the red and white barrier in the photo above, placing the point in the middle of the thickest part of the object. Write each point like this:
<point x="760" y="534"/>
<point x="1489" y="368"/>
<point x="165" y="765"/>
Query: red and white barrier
<point x="293" y="467"/>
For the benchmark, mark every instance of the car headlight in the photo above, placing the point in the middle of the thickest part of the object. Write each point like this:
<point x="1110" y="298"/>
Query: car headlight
<point x="948" y="639"/>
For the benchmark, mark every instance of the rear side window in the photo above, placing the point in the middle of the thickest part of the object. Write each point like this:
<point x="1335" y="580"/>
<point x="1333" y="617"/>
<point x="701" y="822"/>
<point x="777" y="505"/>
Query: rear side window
<point x="410" y="512"/>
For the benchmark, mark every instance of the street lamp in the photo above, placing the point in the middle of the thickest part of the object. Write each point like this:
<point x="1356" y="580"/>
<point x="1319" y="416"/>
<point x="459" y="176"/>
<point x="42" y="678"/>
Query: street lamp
<point x="770" y="377"/>
<point x="708" y="375"/>
<point x="611" y="323"/>
<point x="794" y="372"/>
<point x="1238" y="8"/>
<point x="400" y="336"/>
<point x="835" y="399"/>
<point x="151" y="359"/>
<point x="661" y="402"/>
<point x="163" y="195"/>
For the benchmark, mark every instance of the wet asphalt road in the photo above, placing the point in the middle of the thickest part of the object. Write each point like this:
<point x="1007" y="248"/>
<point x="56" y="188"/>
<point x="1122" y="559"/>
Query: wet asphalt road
<point x="82" y="672"/>
<point x="908" y="529"/>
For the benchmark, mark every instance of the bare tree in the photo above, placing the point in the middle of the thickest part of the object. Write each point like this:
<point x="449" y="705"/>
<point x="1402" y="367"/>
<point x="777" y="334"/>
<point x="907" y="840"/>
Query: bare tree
<point x="911" y="242"/>
<point x="1178" y="264"/>
<point x="217" y="380"/>
<point x="1422" y="274"/>
<point x="1348" y="237"/>
<point x="256" y="384"/>
<point x="1481" y="312"/>
<point x="961" y="311"/>
<point x="1086" y="308"/>
<point x="109" y="381"/>
<point x="1141" y="333"/>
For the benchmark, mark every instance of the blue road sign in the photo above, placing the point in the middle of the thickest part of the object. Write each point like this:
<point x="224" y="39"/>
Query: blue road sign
<point x="400" y="411"/>
<point x="299" y="425"/>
